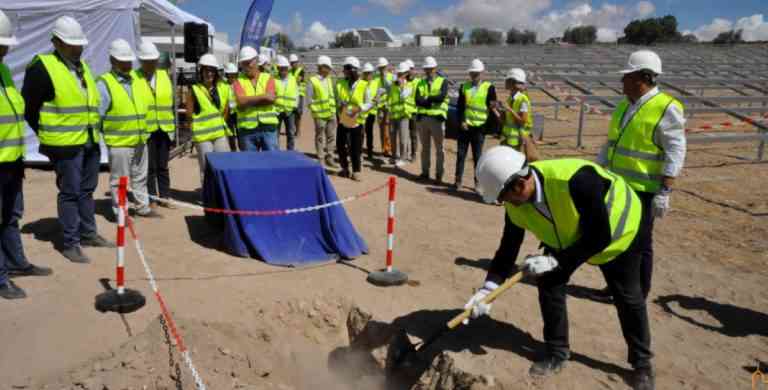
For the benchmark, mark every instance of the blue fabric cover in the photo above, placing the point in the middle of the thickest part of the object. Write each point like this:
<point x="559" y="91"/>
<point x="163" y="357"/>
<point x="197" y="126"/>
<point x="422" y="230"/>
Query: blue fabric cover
<point x="275" y="181"/>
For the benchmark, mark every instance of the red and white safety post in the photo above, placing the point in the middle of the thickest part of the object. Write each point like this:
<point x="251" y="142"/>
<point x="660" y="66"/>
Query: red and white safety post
<point x="122" y="300"/>
<point x="121" y="196"/>
<point x="391" y="222"/>
<point x="389" y="276"/>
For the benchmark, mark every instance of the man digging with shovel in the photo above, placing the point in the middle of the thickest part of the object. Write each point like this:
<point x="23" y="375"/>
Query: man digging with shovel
<point x="581" y="213"/>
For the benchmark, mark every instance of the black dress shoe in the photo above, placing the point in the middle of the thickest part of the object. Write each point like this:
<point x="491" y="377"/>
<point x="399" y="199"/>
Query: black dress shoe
<point x="547" y="367"/>
<point x="10" y="290"/>
<point x="32" y="270"/>
<point x="75" y="254"/>
<point x="96" y="241"/>
<point x="643" y="379"/>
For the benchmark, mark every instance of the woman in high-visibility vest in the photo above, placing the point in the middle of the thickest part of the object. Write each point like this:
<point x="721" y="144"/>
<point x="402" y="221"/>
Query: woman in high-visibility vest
<point x="208" y="103"/>
<point x="517" y="119"/>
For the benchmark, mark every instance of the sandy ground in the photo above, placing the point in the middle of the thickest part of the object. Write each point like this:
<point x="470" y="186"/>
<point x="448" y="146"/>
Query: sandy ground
<point x="250" y="325"/>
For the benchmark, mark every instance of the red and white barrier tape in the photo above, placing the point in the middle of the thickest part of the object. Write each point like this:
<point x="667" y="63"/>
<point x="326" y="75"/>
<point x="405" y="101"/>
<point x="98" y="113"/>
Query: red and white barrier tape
<point x="265" y="213"/>
<point x="163" y="308"/>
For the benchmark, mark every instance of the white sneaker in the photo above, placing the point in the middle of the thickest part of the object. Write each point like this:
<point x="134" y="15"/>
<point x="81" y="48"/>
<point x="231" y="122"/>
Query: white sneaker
<point x="400" y="163"/>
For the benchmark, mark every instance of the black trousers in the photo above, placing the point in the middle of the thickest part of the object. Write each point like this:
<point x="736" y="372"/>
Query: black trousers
<point x="645" y="240"/>
<point x="349" y="145"/>
<point x="369" y="122"/>
<point x="158" y="175"/>
<point x="623" y="276"/>
<point x="475" y="137"/>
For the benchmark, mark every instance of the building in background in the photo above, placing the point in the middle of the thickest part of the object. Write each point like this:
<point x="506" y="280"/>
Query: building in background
<point x="374" y="37"/>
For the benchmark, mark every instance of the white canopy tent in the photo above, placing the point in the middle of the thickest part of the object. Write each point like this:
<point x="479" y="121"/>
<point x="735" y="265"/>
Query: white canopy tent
<point x="103" y="21"/>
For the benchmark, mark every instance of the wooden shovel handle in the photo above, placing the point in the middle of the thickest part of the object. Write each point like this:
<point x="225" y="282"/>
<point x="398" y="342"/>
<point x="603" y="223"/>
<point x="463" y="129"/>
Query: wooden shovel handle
<point x="488" y="299"/>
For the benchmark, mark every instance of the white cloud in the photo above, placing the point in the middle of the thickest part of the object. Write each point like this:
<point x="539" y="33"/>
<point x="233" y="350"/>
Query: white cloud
<point x="297" y="24"/>
<point x="317" y="34"/>
<point x="536" y="15"/>
<point x="394" y="6"/>
<point x="754" y="28"/>
<point x="645" y="9"/>
<point x="607" y="35"/>
<point x="274" y="27"/>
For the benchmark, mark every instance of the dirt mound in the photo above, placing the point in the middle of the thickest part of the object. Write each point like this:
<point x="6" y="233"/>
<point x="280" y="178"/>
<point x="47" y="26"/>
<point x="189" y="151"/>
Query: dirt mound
<point x="283" y="352"/>
<point x="376" y="356"/>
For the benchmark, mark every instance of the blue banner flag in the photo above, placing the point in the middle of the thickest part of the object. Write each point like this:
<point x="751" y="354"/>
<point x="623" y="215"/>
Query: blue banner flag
<point x="256" y="23"/>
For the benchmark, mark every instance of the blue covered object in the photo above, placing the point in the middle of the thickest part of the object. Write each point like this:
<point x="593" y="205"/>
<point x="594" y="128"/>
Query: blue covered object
<point x="278" y="181"/>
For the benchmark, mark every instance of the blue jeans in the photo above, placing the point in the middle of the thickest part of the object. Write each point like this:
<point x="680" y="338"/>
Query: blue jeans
<point x="289" y="121"/>
<point x="260" y="139"/>
<point x="473" y="136"/>
<point x="76" y="178"/>
<point x="11" y="209"/>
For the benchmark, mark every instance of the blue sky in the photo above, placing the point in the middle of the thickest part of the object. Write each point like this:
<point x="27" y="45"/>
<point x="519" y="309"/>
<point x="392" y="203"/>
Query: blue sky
<point x="298" y="18"/>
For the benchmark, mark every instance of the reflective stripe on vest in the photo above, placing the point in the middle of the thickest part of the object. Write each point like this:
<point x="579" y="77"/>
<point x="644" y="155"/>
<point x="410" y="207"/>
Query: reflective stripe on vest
<point x="65" y="120"/>
<point x="410" y="102"/>
<point x="397" y="106"/>
<point x="286" y="94"/>
<point x="431" y="90"/>
<point x="209" y="123"/>
<point x="632" y="152"/>
<point x="323" y="104"/>
<point x="124" y="124"/>
<point x="476" y="111"/>
<point x="302" y="81"/>
<point x="511" y="133"/>
<point x="159" y="100"/>
<point x="561" y="229"/>
<point x="11" y="119"/>
<point x="353" y="98"/>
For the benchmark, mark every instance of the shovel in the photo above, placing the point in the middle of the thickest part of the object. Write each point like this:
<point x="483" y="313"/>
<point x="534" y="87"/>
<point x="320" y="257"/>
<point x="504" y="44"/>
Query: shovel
<point x="404" y="349"/>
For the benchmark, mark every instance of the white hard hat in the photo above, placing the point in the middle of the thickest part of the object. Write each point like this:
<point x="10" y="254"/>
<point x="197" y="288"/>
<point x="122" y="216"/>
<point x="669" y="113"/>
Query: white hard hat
<point x="69" y="31"/>
<point x="324" y="60"/>
<point x="247" y="53"/>
<point x="429" y="63"/>
<point x="121" y="50"/>
<point x="476" y="66"/>
<point x="516" y="74"/>
<point x="209" y="60"/>
<point x="352" y="61"/>
<point x="382" y="62"/>
<point x="148" y="51"/>
<point x="230" y="68"/>
<point x="496" y="167"/>
<point x="403" y="67"/>
<point x="293" y="58"/>
<point x="410" y="63"/>
<point x="368" y="68"/>
<point x="263" y="59"/>
<point x="282" y="62"/>
<point x="643" y="60"/>
<point x="6" y="31"/>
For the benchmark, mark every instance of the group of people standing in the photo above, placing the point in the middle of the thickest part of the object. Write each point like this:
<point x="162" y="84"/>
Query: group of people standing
<point x="71" y="110"/>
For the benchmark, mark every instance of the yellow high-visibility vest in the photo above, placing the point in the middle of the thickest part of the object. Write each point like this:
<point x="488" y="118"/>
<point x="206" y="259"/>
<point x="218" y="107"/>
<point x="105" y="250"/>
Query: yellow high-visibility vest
<point x="286" y="94"/>
<point x="124" y="124"/>
<point x="512" y="133"/>
<point x="561" y="229"/>
<point x="65" y="121"/>
<point x="159" y="100"/>
<point x="208" y="124"/>
<point x="323" y="104"/>
<point x="632" y="151"/>
<point x="431" y="90"/>
<point x="476" y="110"/>
<point x="11" y="119"/>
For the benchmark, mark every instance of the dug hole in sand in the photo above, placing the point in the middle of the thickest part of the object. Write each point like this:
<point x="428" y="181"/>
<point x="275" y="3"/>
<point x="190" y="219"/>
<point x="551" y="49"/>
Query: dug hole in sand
<point x="272" y="355"/>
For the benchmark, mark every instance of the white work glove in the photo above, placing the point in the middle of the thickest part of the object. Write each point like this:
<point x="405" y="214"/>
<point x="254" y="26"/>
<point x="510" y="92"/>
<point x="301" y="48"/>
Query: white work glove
<point x="661" y="204"/>
<point x="540" y="264"/>
<point x="479" y="308"/>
